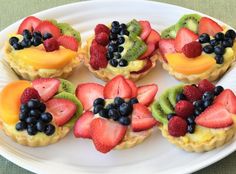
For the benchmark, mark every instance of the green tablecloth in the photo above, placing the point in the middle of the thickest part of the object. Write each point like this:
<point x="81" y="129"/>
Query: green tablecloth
<point x="12" y="10"/>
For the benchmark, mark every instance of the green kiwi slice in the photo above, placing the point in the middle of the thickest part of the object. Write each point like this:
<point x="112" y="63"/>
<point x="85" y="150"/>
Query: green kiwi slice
<point x="158" y="113"/>
<point x="169" y="32"/>
<point x="134" y="27"/>
<point x="165" y="103"/>
<point x="173" y="93"/>
<point x="66" y="86"/>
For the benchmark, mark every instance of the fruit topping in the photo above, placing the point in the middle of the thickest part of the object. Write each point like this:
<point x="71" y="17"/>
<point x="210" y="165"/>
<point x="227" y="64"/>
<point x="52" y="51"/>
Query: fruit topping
<point x="133" y="87"/>
<point x="166" y="46"/>
<point x="51" y="45"/>
<point x="102" y="38"/>
<point x="28" y="94"/>
<point x="68" y="42"/>
<point x="192" y="93"/>
<point x="208" y="26"/>
<point x="145" y="29"/>
<point x="204" y="86"/>
<point x="29" y="23"/>
<point x="218" y="90"/>
<point x="184" y="109"/>
<point x="154" y="37"/>
<point x="150" y="48"/>
<point x="192" y="49"/>
<point x="101" y="28"/>
<point x="146" y="94"/>
<point x="48" y="27"/>
<point x="177" y="126"/>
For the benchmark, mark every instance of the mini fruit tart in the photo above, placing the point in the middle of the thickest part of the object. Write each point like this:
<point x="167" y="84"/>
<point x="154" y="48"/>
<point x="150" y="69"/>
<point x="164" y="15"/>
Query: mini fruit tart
<point x="117" y="115"/>
<point x="196" y="118"/>
<point x="122" y="49"/>
<point x="40" y="112"/>
<point x="197" y="48"/>
<point x="43" y="48"/>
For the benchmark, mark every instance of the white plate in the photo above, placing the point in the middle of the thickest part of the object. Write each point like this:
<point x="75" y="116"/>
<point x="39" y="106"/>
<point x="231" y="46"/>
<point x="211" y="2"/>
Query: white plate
<point x="72" y="155"/>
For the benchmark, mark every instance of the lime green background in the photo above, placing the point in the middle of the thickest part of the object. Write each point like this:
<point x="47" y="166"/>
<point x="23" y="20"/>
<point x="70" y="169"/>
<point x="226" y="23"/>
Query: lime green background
<point x="12" y="10"/>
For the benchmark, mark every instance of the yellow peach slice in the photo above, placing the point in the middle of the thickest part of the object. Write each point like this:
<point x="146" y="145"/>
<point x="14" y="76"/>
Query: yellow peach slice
<point x="182" y="64"/>
<point x="10" y="101"/>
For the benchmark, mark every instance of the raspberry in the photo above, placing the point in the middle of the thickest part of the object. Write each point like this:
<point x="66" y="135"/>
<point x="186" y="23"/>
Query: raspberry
<point x="205" y="85"/>
<point x="101" y="28"/>
<point x="51" y="45"/>
<point x="102" y="38"/>
<point x="29" y="93"/>
<point x="192" y="49"/>
<point x="177" y="126"/>
<point x="192" y="93"/>
<point x="184" y="109"/>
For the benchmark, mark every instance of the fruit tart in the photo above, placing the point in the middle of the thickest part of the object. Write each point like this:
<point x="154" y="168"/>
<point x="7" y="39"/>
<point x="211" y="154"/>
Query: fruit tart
<point x="122" y="49"/>
<point x="196" y="118"/>
<point x="197" y="48"/>
<point x="117" y="115"/>
<point x="40" y="112"/>
<point x="43" y="48"/>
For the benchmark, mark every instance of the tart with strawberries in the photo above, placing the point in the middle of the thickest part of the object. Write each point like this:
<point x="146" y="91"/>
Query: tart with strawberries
<point x="40" y="112"/>
<point x="122" y="49"/>
<point x="197" y="48"/>
<point x="43" y="48"/>
<point x="117" y="115"/>
<point x="196" y="118"/>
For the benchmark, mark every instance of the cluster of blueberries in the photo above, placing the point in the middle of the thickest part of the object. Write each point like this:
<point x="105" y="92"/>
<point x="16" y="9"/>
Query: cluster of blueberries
<point x="34" y="119"/>
<point x="119" y="110"/>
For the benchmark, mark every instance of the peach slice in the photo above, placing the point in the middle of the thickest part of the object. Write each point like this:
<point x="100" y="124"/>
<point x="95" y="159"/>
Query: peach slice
<point x="10" y="101"/>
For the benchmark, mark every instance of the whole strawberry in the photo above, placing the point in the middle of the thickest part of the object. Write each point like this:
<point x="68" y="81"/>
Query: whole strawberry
<point x="192" y="93"/>
<point x="192" y="49"/>
<point x="184" y="109"/>
<point x="29" y="93"/>
<point x="177" y="126"/>
<point x="205" y="85"/>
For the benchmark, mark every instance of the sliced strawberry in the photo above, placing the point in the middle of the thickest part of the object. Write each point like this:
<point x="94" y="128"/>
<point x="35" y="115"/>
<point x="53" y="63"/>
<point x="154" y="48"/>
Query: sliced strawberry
<point x="82" y="125"/>
<point x="142" y="118"/>
<point x="106" y="134"/>
<point x="153" y="37"/>
<point x="46" y="87"/>
<point x="207" y="25"/>
<point x="117" y="87"/>
<point x="133" y="87"/>
<point x="166" y="46"/>
<point x="228" y="99"/>
<point x="48" y="27"/>
<point x="215" y="116"/>
<point x="146" y="94"/>
<point x="183" y="37"/>
<point x="146" y="29"/>
<point x="68" y="42"/>
<point x="150" y="48"/>
<point x="29" y="23"/>
<point x="147" y="66"/>
<point x="88" y="92"/>
<point x="62" y="110"/>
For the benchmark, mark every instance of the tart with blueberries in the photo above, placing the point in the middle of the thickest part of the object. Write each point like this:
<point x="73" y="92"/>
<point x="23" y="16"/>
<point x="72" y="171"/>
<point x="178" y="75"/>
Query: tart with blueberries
<point x="196" y="118"/>
<point x="40" y="112"/>
<point x="122" y="49"/>
<point x="43" y="48"/>
<point x="117" y="115"/>
<point x="197" y="48"/>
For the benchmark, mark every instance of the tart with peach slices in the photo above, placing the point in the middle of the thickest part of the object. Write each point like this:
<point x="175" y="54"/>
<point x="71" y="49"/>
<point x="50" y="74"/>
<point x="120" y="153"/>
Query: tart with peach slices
<point x="40" y="112"/>
<point x="117" y="115"/>
<point x="196" y="118"/>
<point x="197" y="48"/>
<point x="43" y="48"/>
<point x="121" y="49"/>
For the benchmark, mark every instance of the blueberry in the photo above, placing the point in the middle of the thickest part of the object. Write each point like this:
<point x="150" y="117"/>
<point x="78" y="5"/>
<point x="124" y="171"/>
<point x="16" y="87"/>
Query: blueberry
<point x="31" y="120"/>
<point x="218" y="90"/>
<point x="219" y="36"/>
<point x="115" y="30"/>
<point x="207" y="103"/>
<point x="198" y="103"/>
<point x="104" y="113"/>
<point x="17" y="46"/>
<point x="204" y="38"/>
<point x="109" y="55"/>
<point x="47" y="36"/>
<point x="32" y="130"/>
<point x="36" y="41"/>
<point x="191" y="120"/>
<point x="207" y="96"/>
<point x="20" y="126"/>
<point x="197" y="112"/>
<point x="228" y="42"/>
<point x="33" y="104"/>
<point x="169" y="116"/>
<point x="40" y="125"/>
<point x="114" y="114"/>
<point x="42" y="107"/>
<point x="124" y="32"/>
<point x="125" y="109"/>
<point x="49" y="129"/>
<point x="214" y="42"/>
<point x="23" y="116"/>
<point x="13" y="40"/>
<point x="219" y="50"/>
<point x="191" y="128"/>
<point x="123" y="63"/>
<point x="112" y="48"/>
<point x="99" y="101"/>
<point x="113" y="36"/>
<point x="37" y="34"/>
<point x="97" y="108"/>
<point x="26" y="34"/>
<point x="133" y="101"/>
<point x="124" y="121"/>
<point x="113" y="62"/>
<point x="110" y="106"/>
<point x="219" y="59"/>
<point x="120" y="49"/>
<point x="208" y="49"/>
<point x="180" y="96"/>
<point x="230" y="34"/>
<point x="123" y="26"/>
<point x="118" y="101"/>
<point x="115" y="24"/>
<point x="24" y="108"/>
<point x="25" y="43"/>
<point x="46" y="117"/>
<point x="35" y="113"/>
<point x="121" y="40"/>
<point x="117" y="55"/>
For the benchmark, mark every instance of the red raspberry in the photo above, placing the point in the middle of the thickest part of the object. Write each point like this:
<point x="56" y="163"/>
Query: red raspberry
<point x="177" y="126"/>
<point x="205" y="85"/>
<point x="192" y="49"/>
<point x="51" y="44"/>
<point x="29" y="93"/>
<point x="101" y="28"/>
<point x="192" y="93"/>
<point x="102" y="38"/>
<point x="184" y="109"/>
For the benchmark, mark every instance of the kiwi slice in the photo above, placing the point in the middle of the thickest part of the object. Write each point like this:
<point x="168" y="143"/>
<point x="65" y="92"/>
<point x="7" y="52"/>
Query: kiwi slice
<point x="165" y="103"/>
<point x="66" y="86"/>
<point x="134" y="27"/>
<point x="158" y="113"/>
<point x="189" y="21"/>
<point x="173" y="93"/>
<point x="169" y="32"/>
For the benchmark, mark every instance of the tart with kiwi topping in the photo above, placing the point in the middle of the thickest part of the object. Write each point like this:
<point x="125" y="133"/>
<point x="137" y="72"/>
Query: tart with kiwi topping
<point x="197" y="48"/>
<point x="40" y="112"/>
<point x="196" y="118"/>
<point x="122" y="49"/>
<point x="43" y="48"/>
<point x="117" y="115"/>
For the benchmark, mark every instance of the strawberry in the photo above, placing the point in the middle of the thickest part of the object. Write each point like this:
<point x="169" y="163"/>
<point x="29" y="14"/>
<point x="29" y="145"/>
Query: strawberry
<point x="177" y="126"/>
<point x="46" y="87"/>
<point x="183" y="37"/>
<point x="29" y="23"/>
<point x="147" y="66"/>
<point x="102" y="38"/>
<point x="61" y="109"/>
<point x="117" y="87"/>
<point x="87" y="93"/>
<point x="101" y="28"/>
<point x="106" y="134"/>
<point x="133" y="87"/>
<point x="69" y="42"/>
<point x="192" y="93"/>
<point x="146" y="29"/>
<point x="141" y="118"/>
<point x="82" y="125"/>
<point x="184" y="109"/>
<point x="51" y="44"/>
<point x="146" y="94"/>
<point x="205" y="85"/>
<point x="228" y="99"/>
<point x="166" y="46"/>
<point x="154" y="38"/>
<point x="192" y="49"/>
<point x="48" y="27"/>
<point x="215" y="116"/>
<point x="207" y="25"/>
<point x="148" y="52"/>
<point x="29" y="93"/>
